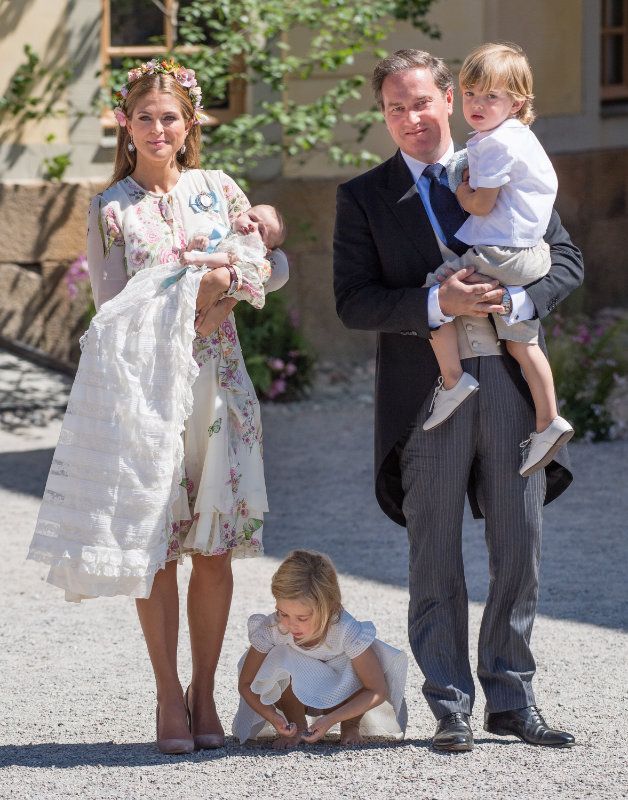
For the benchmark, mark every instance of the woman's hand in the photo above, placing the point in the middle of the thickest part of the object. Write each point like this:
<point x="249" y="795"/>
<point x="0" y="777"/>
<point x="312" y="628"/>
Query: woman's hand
<point x="212" y="287"/>
<point x="318" y="729"/>
<point x="210" y="318"/>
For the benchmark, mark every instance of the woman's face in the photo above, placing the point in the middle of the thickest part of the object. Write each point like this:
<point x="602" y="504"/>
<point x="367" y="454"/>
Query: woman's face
<point x="158" y="127"/>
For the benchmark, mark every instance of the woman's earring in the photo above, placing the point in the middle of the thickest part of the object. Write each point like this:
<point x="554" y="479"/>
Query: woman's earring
<point x="182" y="150"/>
<point x="130" y="145"/>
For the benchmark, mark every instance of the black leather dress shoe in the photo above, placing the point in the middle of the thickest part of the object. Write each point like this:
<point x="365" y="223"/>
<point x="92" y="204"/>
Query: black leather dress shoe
<point x="528" y="725"/>
<point x="453" y="733"/>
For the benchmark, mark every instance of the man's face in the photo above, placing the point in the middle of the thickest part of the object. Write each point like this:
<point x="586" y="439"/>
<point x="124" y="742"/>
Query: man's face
<point x="417" y="114"/>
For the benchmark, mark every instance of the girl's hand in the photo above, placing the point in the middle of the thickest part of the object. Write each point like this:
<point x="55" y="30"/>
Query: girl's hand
<point x="317" y="730"/>
<point x="282" y="726"/>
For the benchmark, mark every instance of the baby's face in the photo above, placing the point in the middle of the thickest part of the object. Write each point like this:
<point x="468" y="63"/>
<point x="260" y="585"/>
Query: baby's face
<point x="262" y="220"/>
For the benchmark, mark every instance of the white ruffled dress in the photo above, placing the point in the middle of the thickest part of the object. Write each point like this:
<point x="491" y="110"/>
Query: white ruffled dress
<point x="160" y="451"/>
<point x="321" y="676"/>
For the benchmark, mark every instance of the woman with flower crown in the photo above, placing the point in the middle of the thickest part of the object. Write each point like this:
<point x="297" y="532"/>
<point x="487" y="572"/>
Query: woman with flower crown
<point x="117" y="516"/>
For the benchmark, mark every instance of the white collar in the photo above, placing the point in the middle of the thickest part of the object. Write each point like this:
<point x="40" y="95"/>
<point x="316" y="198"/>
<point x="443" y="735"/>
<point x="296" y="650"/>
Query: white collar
<point x="416" y="167"/>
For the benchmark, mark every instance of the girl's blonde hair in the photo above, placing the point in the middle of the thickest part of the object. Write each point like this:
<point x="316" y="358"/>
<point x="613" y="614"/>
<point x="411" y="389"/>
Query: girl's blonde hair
<point x="310" y="578"/>
<point x="501" y="66"/>
<point x="125" y="161"/>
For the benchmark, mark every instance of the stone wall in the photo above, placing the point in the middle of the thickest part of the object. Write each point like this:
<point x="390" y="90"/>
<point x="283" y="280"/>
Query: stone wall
<point x="44" y="228"/>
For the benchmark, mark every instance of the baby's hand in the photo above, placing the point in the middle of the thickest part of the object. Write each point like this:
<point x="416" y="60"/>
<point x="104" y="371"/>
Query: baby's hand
<point x="198" y="259"/>
<point x="198" y="242"/>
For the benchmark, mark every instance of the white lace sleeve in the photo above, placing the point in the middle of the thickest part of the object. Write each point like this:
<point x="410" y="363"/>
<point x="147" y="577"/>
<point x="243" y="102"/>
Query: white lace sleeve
<point x="105" y="253"/>
<point x="358" y="637"/>
<point x="260" y="633"/>
<point x="252" y="267"/>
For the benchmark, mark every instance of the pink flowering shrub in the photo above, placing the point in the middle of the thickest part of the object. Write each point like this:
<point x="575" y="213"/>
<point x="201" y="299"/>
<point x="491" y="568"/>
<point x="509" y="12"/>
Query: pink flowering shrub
<point x="76" y="275"/>
<point x="589" y="361"/>
<point x="276" y="355"/>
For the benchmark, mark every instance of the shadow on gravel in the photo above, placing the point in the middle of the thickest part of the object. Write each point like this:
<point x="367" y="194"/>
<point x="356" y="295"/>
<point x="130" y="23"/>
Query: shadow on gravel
<point x="25" y="471"/>
<point x="49" y="755"/>
<point x="318" y="462"/>
<point x="320" y="486"/>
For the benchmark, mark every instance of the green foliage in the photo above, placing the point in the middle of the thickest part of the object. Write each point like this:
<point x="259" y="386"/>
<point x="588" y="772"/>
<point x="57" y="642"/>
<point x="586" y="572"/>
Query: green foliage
<point x="248" y="41"/>
<point x="276" y="355"/>
<point x="34" y="90"/>
<point x="588" y="362"/>
<point x="54" y="167"/>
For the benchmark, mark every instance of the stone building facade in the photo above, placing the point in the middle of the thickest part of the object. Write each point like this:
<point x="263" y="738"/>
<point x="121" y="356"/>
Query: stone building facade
<point x="583" y="123"/>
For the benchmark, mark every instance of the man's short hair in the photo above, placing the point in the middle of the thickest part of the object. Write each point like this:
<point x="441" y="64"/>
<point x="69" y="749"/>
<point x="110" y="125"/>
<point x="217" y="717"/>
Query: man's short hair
<point x="402" y="60"/>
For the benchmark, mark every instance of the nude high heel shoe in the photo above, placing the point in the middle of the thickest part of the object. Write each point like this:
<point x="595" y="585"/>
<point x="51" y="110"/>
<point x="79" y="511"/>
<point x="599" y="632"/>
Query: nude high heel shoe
<point x="173" y="746"/>
<point x="204" y="741"/>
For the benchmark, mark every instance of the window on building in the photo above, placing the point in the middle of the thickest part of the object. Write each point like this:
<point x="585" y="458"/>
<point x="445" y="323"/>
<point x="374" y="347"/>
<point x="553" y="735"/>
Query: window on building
<point x="614" y="49"/>
<point x="143" y="29"/>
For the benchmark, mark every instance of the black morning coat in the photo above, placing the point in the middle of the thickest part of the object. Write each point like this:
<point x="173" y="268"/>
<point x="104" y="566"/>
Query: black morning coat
<point x="384" y="246"/>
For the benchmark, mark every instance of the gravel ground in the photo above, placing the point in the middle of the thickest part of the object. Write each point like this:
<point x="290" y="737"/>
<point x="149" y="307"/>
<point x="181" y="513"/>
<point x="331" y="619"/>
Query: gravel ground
<point x="77" y="694"/>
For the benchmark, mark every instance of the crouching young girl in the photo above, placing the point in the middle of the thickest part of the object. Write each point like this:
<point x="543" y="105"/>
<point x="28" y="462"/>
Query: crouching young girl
<point x="311" y="658"/>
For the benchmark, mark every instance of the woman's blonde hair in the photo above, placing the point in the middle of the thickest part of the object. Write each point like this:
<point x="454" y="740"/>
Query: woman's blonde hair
<point x="501" y="66"/>
<point x="310" y="578"/>
<point x="125" y="160"/>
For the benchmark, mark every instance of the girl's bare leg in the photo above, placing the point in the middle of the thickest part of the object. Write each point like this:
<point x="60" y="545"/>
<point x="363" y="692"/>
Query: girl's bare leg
<point x="538" y="374"/>
<point x="444" y="343"/>
<point x="159" y="618"/>
<point x="294" y="711"/>
<point x="349" y="728"/>
<point x="209" y="600"/>
<point x="350" y="731"/>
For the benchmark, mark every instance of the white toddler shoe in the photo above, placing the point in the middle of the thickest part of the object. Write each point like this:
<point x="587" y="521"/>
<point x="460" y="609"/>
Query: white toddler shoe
<point x="446" y="401"/>
<point x="541" y="447"/>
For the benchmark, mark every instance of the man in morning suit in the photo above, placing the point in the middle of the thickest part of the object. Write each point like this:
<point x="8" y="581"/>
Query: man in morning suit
<point x="393" y="226"/>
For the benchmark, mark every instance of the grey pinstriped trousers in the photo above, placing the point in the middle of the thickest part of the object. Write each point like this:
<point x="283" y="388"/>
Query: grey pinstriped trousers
<point x="483" y="434"/>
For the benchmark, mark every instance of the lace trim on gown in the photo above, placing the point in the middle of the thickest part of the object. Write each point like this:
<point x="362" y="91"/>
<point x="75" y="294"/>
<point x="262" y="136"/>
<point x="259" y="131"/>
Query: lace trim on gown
<point x="116" y="472"/>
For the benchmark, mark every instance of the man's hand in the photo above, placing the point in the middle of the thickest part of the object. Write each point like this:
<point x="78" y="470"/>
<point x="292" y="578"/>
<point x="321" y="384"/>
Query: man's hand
<point x="468" y="293"/>
<point x="210" y="317"/>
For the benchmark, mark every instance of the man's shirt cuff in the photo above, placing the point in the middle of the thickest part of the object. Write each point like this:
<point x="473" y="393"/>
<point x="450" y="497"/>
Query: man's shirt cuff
<point x="522" y="306"/>
<point x="435" y="317"/>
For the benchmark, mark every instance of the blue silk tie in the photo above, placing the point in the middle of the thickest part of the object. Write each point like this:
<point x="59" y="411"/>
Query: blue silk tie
<point x="446" y="208"/>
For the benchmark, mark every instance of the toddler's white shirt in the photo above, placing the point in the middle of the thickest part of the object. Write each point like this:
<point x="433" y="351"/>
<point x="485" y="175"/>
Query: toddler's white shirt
<point x="510" y="157"/>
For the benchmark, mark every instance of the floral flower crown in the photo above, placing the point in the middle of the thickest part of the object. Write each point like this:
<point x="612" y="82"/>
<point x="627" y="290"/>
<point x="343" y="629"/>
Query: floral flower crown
<point x="183" y="76"/>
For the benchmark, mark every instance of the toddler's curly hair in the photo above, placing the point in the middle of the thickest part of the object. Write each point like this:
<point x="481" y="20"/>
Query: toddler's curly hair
<point x="501" y="66"/>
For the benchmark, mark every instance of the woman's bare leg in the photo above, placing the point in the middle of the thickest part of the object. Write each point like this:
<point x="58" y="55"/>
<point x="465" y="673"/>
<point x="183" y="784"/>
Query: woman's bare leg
<point x="538" y="374"/>
<point x="444" y="343"/>
<point x="209" y="600"/>
<point x="159" y="618"/>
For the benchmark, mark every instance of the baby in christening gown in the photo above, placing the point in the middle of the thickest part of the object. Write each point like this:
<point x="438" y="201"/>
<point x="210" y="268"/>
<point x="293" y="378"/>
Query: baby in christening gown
<point x="135" y="387"/>
<point x="255" y="232"/>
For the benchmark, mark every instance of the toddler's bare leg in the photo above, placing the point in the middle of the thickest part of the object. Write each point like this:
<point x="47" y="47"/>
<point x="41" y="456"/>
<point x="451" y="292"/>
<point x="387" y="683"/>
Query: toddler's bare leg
<point x="538" y="374"/>
<point x="445" y="346"/>
<point x="294" y="711"/>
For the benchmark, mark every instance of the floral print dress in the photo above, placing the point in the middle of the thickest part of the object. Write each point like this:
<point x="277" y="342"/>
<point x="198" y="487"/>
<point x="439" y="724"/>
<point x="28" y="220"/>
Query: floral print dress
<point x="160" y="452"/>
<point x="223" y="495"/>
